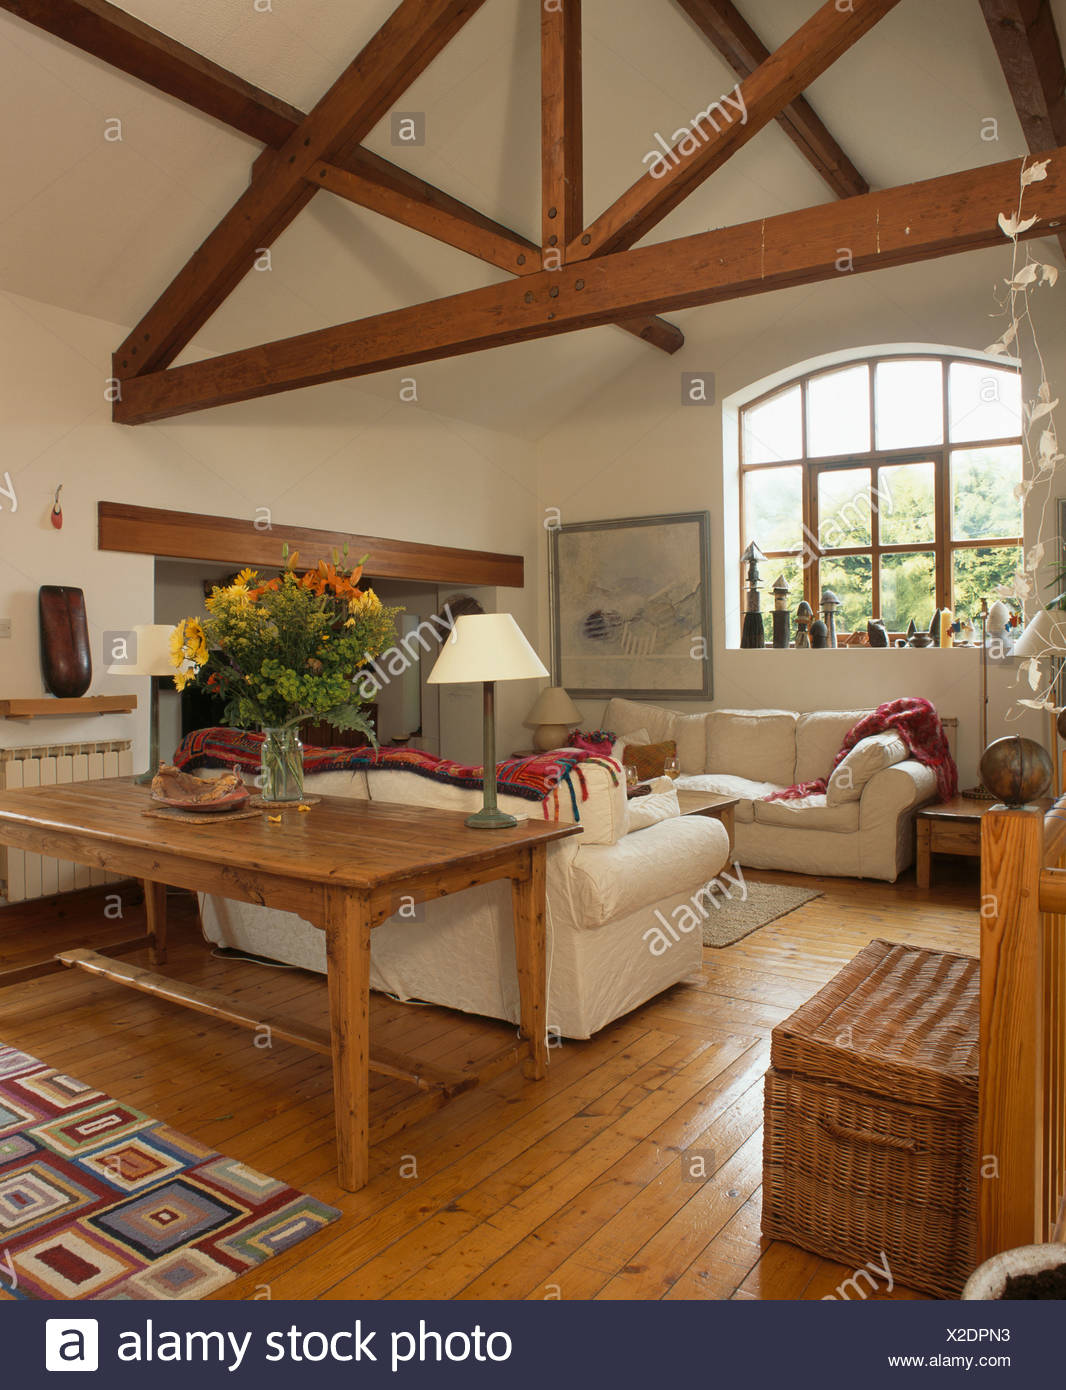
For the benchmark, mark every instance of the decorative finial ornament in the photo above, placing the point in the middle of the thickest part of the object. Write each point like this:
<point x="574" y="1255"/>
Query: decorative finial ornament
<point x="753" y="633"/>
<point x="56" y="514"/>
<point x="1017" y="770"/>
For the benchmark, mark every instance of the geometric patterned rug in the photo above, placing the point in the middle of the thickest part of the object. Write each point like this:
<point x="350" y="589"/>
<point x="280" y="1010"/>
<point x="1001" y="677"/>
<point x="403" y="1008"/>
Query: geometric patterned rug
<point x="99" y="1201"/>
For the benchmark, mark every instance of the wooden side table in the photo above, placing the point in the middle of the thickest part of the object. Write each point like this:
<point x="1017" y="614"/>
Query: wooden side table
<point x="949" y="827"/>
<point x="721" y="808"/>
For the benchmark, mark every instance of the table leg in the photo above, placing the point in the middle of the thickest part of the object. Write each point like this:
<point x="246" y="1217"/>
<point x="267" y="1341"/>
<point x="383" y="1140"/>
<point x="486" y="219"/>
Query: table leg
<point x="348" y="956"/>
<point x="924" y="856"/>
<point x="728" y="819"/>
<point x="155" y="910"/>
<point x="528" y="904"/>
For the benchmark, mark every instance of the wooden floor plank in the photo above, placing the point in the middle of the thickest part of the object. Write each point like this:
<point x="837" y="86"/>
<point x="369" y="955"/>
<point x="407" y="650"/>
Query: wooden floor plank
<point x="575" y="1187"/>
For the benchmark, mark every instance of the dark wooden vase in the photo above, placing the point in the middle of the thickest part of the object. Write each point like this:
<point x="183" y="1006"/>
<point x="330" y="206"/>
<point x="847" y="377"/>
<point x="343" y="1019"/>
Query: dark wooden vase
<point x="66" y="659"/>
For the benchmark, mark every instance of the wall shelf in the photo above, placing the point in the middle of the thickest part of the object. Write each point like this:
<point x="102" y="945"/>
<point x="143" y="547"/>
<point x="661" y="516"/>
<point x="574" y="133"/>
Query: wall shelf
<point x="49" y="705"/>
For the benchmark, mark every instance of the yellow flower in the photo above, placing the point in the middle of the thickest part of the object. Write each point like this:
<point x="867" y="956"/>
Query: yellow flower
<point x="182" y="678"/>
<point x="245" y="577"/>
<point x="188" y="643"/>
<point x="366" y="604"/>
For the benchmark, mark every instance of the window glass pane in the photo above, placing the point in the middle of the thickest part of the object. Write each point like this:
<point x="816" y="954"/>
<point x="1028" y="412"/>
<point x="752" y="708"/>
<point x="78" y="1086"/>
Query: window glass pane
<point x="851" y="578"/>
<point x="773" y="430"/>
<point x="773" y="508"/>
<point x="844" y="508"/>
<point x="909" y="404"/>
<point x="906" y="504"/>
<point x="977" y="572"/>
<point x="838" y="413"/>
<point x="982" y="492"/>
<point x="985" y="402"/>
<point x="908" y="590"/>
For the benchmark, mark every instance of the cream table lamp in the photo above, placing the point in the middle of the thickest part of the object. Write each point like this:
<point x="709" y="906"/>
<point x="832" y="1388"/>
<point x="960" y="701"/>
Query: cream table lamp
<point x="487" y="647"/>
<point x="153" y="660"/>
<point x="553" y="715"/>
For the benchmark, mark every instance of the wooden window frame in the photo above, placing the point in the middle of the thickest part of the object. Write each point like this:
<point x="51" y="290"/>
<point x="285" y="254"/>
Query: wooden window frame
<point x="942" y="547"/>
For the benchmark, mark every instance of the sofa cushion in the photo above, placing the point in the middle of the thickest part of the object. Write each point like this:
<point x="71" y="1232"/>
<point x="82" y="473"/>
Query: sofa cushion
<point x="649" y="758"/>
<point x="650" y="810"/>
<point x="663" y="860"/>
<point x="758" y="744"/>
<point x="721" y="784"/>
<point x="808" y="813"/>
<point x="687" y="730"/>
<point x="819" y="737"/>
<point x="620" y="743"/>
<point x="869" y="757"/>
<point x="603" y="815"/>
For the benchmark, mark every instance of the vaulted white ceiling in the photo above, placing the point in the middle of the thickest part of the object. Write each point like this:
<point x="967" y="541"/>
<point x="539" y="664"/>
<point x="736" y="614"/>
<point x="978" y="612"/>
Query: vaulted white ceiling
<point x="100" y="226"/>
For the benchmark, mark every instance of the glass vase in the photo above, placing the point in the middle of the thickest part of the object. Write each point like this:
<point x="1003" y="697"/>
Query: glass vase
<point x="281" y="773"/>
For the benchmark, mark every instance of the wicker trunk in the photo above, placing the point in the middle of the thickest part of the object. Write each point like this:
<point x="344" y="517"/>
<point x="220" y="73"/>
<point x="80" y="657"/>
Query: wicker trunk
<point x="870" y="1145"/>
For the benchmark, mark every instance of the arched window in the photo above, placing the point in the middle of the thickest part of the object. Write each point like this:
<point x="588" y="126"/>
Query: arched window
<point x="890" y="480"/>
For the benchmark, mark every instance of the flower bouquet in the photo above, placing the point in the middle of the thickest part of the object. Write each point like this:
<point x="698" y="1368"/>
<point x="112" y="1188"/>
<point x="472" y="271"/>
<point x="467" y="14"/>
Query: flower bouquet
<point x="284" y="650"/>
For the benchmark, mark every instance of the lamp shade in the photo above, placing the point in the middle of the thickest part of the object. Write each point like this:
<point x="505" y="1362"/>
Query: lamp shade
<point x="1045" y="635"/>
<point x="153" y="653"/>
<point x="553" y="706"/>
<point x="486" y="647"/>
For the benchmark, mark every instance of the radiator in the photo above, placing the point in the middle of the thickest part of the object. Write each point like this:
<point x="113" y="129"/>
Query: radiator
<point x="25" y="875"/>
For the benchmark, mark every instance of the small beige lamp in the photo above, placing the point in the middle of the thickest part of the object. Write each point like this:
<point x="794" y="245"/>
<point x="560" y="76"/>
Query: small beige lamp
<point x="487" y="647"/>
<point x="553" y="716"/>
<point x="152" y="658"/>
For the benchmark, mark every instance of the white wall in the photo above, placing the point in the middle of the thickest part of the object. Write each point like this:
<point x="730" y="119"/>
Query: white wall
<point x="636" y="450"/>
<point x="334" y="456"/>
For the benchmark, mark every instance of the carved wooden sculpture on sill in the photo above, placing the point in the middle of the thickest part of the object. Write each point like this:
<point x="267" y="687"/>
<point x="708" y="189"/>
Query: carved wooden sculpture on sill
<point x="753" y="634"/>
<point x="804" y="614"/>
<point x="829" y="605"/>
<point x="782" y="623"/>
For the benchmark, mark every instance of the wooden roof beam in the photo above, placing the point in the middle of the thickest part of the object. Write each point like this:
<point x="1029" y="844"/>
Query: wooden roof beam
<point x="735" y="120"/>
<point x="109" y="33"/>
<point x="722" y="23"/>
<point x="1030" y="52"/>
<point x="402" y="48"/>
<point x="920" y="221"/>
<point x="561" y="125"/>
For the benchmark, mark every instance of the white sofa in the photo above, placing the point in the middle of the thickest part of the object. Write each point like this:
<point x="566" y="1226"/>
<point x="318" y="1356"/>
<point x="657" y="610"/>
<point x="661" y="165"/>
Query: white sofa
<point x="604" y="888"/>
<point x="751" y="753"/>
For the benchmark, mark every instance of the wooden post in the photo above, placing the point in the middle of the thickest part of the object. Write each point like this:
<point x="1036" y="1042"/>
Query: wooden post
<point x="348" y="955"/>
<point x="1011" y="1121"/>
<point x="527" y="895"/>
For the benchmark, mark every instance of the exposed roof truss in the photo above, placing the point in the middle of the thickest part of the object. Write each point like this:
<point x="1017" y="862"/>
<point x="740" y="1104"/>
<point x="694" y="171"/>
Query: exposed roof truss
<point x="579" y="275"/>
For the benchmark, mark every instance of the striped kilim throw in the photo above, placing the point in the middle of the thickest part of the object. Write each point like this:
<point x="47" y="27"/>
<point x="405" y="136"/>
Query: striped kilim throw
<point x="538" y="778"/>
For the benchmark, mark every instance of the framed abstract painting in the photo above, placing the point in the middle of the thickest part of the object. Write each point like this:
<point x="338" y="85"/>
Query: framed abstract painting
<point x="631" y="606"/>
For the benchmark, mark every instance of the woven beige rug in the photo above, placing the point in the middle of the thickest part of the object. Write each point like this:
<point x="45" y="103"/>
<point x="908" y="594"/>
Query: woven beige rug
<point x="765" y="903"/>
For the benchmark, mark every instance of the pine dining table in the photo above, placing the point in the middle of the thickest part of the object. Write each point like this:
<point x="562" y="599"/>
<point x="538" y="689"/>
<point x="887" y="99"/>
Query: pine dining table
<point x="345" y="866"/>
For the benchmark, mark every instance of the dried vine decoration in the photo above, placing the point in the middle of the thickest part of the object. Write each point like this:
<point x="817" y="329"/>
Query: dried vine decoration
<point x="1039" y="434"/>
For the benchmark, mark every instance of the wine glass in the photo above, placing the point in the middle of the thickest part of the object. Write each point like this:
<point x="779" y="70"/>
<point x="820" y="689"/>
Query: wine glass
<point x="672" y="767"/>
<point x="631" y="776"/>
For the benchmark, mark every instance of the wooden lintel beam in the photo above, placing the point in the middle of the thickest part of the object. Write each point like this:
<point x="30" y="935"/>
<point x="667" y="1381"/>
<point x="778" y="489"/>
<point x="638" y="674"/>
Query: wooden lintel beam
<point x="1029" y="48"/>
<point x="722" y="23"/>
<point x="402" y="48"/>
<point x="128" y="44"/>
<point x="724" y="126"/>
<point x="920" y="221"/>
<point x="228" y="540"/>
<point x="561" y="124"/>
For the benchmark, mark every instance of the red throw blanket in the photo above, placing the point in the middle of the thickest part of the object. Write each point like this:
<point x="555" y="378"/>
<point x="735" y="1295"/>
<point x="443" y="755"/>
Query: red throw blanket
<point x="918" y="725"/>
<point x="538" y="778"/>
